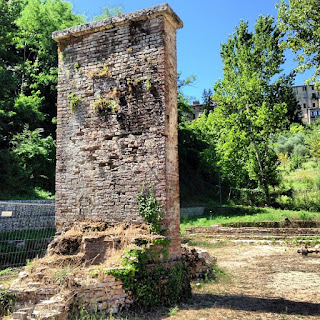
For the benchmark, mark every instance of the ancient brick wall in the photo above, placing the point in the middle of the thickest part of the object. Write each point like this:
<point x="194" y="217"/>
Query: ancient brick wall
<point x="117" y="118"/>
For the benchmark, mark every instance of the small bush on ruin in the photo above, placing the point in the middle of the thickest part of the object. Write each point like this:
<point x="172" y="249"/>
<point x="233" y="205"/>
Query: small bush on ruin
<point x="74" y="102"/>
<point x="150" y="210"/>
<point x="145" y="275"/>
<point x="109" y="103"/>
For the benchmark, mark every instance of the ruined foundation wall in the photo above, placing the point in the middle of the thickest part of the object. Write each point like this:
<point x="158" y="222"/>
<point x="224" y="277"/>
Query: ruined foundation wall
<point x="117" y="118"/>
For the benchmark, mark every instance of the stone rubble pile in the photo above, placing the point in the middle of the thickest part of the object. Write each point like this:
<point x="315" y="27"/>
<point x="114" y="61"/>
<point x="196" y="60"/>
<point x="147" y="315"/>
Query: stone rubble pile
<point x="36" y="300"/>
<point x="37" y="297"/>
<point x="199" y="261"/>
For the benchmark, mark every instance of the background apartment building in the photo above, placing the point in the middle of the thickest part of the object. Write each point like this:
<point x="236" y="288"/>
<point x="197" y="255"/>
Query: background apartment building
<point x="309" y="101"/>
<point x="198" y="108"/>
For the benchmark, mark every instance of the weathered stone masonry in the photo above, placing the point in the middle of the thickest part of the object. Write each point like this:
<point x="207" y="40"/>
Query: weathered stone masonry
<point x="117" y="118"/>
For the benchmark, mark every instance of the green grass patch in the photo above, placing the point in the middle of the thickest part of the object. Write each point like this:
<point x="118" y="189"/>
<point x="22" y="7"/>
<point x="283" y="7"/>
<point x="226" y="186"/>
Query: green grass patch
<point x="221" y="276"/>
<point x="207" y="244"/>
<point x="245" y="214"/>
<point x="304" y="186"/>
<point x="31" y="194"/>
<point x="9" y="272"/>
<point x="308" y="240"/>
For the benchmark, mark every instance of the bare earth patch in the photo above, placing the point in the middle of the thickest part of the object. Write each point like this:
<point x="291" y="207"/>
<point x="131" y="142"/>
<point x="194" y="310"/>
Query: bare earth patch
<point x="262" y="282"/>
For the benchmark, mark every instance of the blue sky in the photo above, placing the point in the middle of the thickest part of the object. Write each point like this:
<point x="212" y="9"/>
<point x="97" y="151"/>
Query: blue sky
<point x="207" y="24"/>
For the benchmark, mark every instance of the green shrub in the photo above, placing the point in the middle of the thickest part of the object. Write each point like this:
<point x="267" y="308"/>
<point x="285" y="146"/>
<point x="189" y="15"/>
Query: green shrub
<point x="153" y="285"/>
<point x="150" y="210"/>
<point x="249" y="196"/>
<point x="7" y="301"/>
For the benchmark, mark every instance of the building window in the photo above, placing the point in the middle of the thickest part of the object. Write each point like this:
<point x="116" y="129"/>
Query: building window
<point x="312" y="87"/>
<point x="304" y="105"/>
<point x="304" y="88"/>
<point x="313" y="105"/>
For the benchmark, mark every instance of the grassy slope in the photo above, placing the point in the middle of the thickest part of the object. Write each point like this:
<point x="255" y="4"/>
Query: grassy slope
<point x="305" y="183"/>
<point x="247" y="214"/>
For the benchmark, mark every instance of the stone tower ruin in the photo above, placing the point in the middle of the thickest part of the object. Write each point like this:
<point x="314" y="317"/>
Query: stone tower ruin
<point x="117" y="119"/>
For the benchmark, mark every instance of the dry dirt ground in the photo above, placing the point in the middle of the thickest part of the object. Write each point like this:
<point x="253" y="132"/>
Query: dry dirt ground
<point x="257" y="282"/>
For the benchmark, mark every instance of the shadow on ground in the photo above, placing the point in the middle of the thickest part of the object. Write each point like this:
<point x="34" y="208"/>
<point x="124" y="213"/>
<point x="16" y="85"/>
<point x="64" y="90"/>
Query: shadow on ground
<point x="235" y="302"/>
<point x="247" y="303"/>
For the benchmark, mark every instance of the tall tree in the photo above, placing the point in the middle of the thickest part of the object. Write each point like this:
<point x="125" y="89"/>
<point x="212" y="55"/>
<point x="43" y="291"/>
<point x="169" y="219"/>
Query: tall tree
<point x="300" y="20"/>
<point x="249" y="109"/>
<point x="28" y="79"/>
<point x="9" y="11"/>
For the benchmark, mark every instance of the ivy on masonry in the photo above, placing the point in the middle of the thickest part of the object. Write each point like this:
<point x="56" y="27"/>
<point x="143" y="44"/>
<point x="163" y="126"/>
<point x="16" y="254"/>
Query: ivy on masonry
<point x="147" y="275"/>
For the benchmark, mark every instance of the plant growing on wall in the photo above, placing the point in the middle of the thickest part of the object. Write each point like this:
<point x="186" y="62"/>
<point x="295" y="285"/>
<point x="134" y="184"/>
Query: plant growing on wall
<point x="159" y="285"/>
<point x="110" y="102"/>
<point x="151" y="210"/>
<point x="74" y="102"/>
<point x="148" y="83"/>
<point x="100" y="73"/>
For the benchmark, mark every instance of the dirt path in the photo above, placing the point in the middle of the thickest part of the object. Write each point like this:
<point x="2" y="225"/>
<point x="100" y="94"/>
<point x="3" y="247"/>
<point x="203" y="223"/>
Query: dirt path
<point x="262" y="282"/>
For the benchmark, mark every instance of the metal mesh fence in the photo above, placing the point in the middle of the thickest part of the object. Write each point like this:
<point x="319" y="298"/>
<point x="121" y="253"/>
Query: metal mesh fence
<point x="26" y="229"/>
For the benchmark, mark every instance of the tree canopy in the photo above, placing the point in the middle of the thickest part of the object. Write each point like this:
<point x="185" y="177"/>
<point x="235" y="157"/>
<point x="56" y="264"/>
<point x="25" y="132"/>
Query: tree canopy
<point x="300" y="20"/>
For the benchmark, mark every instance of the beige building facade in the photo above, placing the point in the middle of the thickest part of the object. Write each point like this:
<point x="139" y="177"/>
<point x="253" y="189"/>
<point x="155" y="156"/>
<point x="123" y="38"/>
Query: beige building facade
<point x="309" y="100"/>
